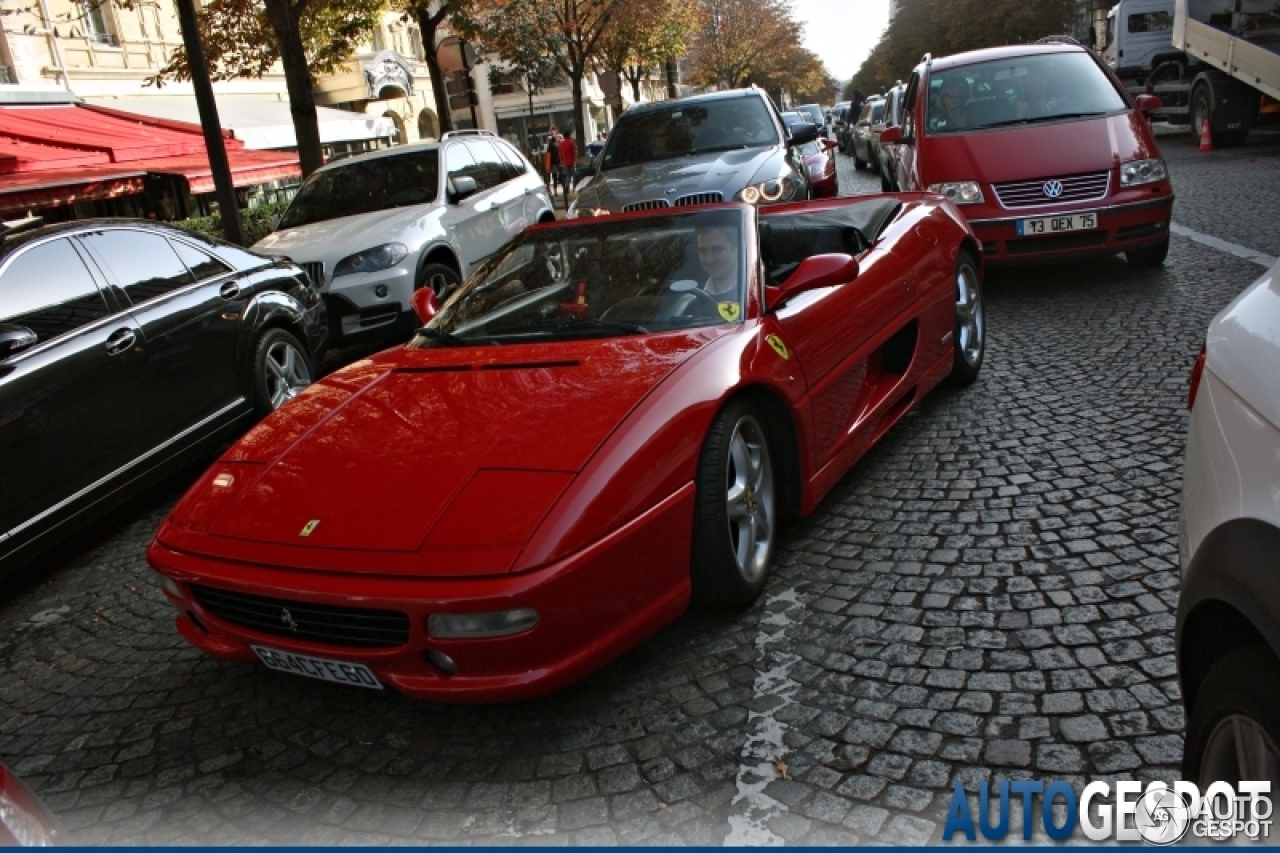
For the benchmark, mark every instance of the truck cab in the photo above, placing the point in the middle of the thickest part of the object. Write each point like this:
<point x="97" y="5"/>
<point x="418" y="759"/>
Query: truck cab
<point x="1139" y="38"/>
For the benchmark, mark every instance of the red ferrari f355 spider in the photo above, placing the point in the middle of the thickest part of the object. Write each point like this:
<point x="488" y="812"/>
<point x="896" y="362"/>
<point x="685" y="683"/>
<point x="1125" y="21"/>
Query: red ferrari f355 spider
<point x="610" y="417"/>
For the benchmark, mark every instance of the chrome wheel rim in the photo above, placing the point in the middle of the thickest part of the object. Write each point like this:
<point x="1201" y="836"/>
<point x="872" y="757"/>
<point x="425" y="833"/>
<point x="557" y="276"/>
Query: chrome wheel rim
<point x="442" y="283"/>
<point x="1239" y="749"/>
<point x="286" y="372"/>
<point x="749" y="499"/>
<point x="969" y="320"/>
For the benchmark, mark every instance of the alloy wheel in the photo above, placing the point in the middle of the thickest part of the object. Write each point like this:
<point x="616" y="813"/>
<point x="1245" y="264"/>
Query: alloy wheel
<point x="1239" y="749"/>
<point x="286" y="372"/>
<point x="750" y="499"/>
<point x="969" y="316"/>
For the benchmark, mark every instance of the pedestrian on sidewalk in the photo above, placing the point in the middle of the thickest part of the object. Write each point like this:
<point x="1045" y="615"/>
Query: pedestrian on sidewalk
<point x="552" y="159"/>
<point x="568" y="164"/>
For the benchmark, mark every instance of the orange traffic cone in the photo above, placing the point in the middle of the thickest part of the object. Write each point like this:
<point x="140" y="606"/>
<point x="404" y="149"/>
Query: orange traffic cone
<point x="1206" y="138"/>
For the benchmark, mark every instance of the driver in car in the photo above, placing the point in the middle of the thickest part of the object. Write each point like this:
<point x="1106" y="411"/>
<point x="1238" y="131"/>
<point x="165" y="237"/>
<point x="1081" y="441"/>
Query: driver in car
<point x="1037" y="100"/>
<point x="718" y="256"/>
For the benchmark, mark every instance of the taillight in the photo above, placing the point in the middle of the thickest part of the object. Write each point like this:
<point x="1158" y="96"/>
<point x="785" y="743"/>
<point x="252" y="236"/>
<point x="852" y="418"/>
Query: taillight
<point x="1195" y="378"/>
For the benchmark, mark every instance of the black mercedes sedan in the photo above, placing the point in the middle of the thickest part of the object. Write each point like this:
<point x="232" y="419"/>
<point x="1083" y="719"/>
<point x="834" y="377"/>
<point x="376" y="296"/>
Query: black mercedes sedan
<point x="126" y="347"/>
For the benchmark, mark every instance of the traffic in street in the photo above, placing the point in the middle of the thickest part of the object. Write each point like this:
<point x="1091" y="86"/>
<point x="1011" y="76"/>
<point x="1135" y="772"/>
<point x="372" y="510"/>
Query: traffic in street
<point x="989" y="593"/>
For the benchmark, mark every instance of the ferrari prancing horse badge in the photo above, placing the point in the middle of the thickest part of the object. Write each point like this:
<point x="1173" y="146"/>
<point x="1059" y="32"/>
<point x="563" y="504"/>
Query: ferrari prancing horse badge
<point x="778" y="346"/>
<point x="729" y="311"/>
<point x="309" y="526"/>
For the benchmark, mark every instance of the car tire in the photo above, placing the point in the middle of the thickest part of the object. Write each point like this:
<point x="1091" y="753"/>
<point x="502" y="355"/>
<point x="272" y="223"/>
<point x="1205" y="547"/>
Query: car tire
<point x="970" y="336"/>
<point x="886" y="186"/>
<point x="736" y="515"/>
<point x="858" y="162"/>
<point x="441" y="278"/>
<point x="281" y="370"/>
<point x="1151" y="256"/>
<point x="1236" y="705"/>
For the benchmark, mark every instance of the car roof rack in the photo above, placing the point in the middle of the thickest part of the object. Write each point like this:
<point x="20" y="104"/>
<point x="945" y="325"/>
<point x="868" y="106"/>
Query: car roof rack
<point x="927" y="59"/>
<point x="467" y="132"/>
<point x="1061" y="39"/>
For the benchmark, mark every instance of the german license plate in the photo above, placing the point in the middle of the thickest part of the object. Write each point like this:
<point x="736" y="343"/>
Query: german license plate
<point x="1057" y="224"/>
<point x="326" y="670"/>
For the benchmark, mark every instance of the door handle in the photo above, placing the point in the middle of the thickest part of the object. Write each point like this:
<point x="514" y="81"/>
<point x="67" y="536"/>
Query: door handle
<point x="230" y="290"/>
<point x="121" y="340"/>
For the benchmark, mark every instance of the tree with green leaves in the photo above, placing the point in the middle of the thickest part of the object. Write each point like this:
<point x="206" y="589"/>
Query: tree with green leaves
<point x="643" y="35"/>
<point x="246" y="38"/>
<point x="522" y="37"/>
<point x="738" y="42"/>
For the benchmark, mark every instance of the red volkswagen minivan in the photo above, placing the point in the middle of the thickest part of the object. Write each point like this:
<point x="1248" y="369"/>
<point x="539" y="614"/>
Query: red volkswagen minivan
<point x="1042" y="149"/>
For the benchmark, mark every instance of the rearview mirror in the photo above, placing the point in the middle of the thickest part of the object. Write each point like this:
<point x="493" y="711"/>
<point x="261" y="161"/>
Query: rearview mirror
<point x="830" y="144"/>
<point x="813" y="273"/>
<point x="463" y="186"/>
<point x="14" y="339"/>
<point x="1148" y="104"/>
<point x="425" y="304"/>
<point x="801" y="132"/>
<point x="892" y="135"/>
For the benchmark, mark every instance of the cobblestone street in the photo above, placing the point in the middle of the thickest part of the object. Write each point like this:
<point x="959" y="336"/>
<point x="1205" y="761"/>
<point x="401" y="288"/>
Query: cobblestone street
<point x="989" y="594"/>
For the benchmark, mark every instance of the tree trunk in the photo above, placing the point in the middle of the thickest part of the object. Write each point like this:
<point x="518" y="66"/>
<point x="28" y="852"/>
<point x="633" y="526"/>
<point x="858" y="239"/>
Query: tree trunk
<point x="673" y="74"/>
<point x="427" y="24"/>
<point x="633" y="76"/>
<point x="297" y="78"/>
<point x="580" y="129"/>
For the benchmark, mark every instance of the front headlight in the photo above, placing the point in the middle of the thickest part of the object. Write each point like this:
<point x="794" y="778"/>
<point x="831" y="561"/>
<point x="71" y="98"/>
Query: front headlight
<point x="960" y="192"/>
<point x="576" y="212"/>
<point x="372" y="260"/>
<point x="770" y="192"/>
<point x="1142" y="172"/>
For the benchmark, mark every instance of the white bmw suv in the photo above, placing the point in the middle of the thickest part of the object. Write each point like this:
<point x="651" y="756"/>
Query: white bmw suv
<point x="1228" y="630"/>
<point x="372" y="228"/>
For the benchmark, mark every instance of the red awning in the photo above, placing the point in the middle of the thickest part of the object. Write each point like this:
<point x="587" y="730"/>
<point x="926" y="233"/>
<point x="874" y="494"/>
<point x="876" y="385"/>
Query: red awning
<point x="23" y="192"/>
<point x="248" y="168"/>
<point x="112" y="135"/>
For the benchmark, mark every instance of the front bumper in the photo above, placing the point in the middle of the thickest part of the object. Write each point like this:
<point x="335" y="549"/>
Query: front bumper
<point x="1127" y="225"/>
<point x="592" y="606"/>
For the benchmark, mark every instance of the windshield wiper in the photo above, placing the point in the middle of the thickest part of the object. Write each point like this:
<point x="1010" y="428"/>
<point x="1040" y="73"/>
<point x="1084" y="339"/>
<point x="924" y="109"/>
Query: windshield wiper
<point x="1037" y="119"/>
<point x="717" y="148"/>
<point x="443" y="337"/>
<point x="569" y="324"/>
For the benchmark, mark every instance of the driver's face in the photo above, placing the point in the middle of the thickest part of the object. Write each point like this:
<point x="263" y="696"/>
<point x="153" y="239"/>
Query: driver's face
<point x="717" y="255"/>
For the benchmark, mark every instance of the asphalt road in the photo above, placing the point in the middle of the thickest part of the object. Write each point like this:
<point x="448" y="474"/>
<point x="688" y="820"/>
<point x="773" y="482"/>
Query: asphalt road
<point x="988" y="594"/>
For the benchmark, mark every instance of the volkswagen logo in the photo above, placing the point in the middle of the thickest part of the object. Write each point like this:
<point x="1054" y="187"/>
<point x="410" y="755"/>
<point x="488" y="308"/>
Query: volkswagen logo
<point x="1053" y="189"/>
<point x="286" y="619"/>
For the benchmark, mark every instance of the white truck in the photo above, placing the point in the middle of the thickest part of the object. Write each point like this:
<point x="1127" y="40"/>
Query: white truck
<point x="1215" y="60"/>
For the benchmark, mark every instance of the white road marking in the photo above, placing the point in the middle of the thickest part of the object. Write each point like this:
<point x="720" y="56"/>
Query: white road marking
<point x="1222" y="245"/>
<point x="764" y="743"/>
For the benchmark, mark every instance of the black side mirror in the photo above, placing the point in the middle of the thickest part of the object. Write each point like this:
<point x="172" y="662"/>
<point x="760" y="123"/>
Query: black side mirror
<point x="462" y="187"/>
<point x="801" y="133"/>
<point x="14" y="339"/>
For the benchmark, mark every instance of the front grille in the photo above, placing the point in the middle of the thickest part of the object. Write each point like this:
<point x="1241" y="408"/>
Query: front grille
<point x="652" y="204"/>
<point x="1074" y="188"/>
<point x="699" y="198"/>
<point x="319" y="623"/>
<point x="315" y="270"/>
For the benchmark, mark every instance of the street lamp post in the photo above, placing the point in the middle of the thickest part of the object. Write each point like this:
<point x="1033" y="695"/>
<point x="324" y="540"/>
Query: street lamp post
<point x="228" y="206"/>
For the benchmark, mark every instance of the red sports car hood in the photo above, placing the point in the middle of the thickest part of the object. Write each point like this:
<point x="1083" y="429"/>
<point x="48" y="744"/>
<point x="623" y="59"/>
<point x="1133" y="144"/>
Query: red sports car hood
<point x="1040" y="150"/>
<point x="454" y="455"/>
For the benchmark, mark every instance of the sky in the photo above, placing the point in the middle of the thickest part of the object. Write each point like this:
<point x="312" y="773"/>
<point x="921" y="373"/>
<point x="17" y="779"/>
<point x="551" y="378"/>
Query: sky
<point x="842" y="32"/>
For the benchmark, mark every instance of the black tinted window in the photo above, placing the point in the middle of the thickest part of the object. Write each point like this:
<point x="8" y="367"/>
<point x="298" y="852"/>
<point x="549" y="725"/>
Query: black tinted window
<point x="365" y="185"/>
<point x="202" y="265"/>
<point x="516" y="164"/>
<point x="460" y="163"/>
<point x="666" y="132"/>
<point x="490" y="167"/>
<point x="49" y="290"/>
<point x="142" y="263"/>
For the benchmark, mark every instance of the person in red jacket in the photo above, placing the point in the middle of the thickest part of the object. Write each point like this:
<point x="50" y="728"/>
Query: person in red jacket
<point x="568" y="163"/>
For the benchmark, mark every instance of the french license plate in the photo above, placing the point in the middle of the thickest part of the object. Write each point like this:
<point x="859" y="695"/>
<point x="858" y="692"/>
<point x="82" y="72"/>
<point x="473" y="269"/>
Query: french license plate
<point x="326" y="670"/>
<point x="1057" y="224"/>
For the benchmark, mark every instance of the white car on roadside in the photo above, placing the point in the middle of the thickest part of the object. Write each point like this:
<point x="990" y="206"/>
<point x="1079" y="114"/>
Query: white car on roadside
<point x="1228" y="630"/>
<point x="372" y="228"/>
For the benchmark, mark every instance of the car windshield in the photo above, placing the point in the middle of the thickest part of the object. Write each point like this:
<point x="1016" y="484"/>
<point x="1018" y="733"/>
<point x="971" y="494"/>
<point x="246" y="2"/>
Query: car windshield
<point x="1021" y="90"/>
<point x="813" y="111"/>
<point x="366" y="185"/>
<point x="601" y="278"/>
<point x="684" y="128"/>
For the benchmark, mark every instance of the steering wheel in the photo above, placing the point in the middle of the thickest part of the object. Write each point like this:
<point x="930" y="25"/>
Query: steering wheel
<point x="693" y="303"/>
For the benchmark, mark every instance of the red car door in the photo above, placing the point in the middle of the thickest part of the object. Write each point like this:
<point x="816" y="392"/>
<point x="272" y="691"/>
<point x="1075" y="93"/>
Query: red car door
<point x="831" y="333"/>
<point x="912" y="115"/>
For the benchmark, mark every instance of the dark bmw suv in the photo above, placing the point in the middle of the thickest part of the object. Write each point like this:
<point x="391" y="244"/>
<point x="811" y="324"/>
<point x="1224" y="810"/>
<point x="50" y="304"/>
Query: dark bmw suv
<point x="125" y="346"/>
